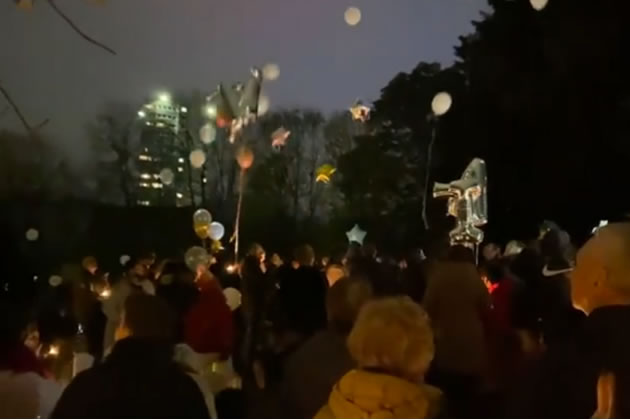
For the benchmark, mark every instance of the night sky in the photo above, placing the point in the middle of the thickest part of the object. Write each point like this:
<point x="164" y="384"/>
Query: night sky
<point x="193" y="44"/>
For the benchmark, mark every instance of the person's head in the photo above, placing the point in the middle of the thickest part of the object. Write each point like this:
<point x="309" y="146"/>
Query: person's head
<point x="334" y="273"/>
<point x="90" y="264"/>
<point x="146" y="316"/>
<point x="256" y="250"/>
<point x="344" y="300"/>
<point x="460" y="253"/>
<point x="276" y="261"/>
<point x="491" y="251"/>
<point x="305" y="255"/>
<point x="393" y="335"/>
<point x="602" y="273"/>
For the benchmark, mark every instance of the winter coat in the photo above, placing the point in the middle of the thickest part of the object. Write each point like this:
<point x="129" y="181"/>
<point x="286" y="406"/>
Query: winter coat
<point x="364" y="395"/>
<point x="312" y="370"/>
<point x="208" y="325"/>
<point x="139" y="379"/>
<point x="303" y="298"/>
<point x="458" y="304"/>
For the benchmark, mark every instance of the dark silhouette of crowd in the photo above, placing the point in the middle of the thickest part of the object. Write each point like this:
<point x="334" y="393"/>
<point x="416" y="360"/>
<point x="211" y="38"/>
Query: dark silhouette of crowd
<point x="525" y="330"/>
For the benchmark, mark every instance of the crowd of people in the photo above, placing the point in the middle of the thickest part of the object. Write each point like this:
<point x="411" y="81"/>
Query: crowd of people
<point x="526" y="330"/>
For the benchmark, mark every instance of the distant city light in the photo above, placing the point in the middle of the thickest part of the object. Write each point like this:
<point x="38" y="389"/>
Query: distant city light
<point x="145" y="176"/>
<point x="204" y="180"/>
<point x="144" y="202"/>
<point x="142" y="114"/>
<point x="157" y="185"/>
<point x="164" y="97"/>
<point x="148" y="123"/>
<point x="145" y="157"/>
<point x="159" y="124"/>
<point x="144" y="184"/>
<point x="181" y="160"/>
<point x="211" y="111"/>
<point x="179" y="195"/>
<point x="180" y="169"/>
<point x="184" y="109"/>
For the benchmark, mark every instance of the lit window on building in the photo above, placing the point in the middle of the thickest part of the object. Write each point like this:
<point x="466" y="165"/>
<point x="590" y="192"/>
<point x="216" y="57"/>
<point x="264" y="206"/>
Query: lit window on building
<point x="180" y="169"/>
<point x="145" y="157"/>
<point x="180" y="160"/>
<point x="144" y="202"/>
<point x="148" y="123"/>
<point x="144" y="185"/>
<point x="159" y="124"/>
<point x="145" y="176"/>
<point x="204" y="180"/>
<point x="156" y="185"/>
<point x="179" y="195"/>
<point x="156" y="176"/>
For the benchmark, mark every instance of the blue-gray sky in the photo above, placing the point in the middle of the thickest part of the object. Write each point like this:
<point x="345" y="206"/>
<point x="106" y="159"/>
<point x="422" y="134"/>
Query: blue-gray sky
<point x="193" y="44"/>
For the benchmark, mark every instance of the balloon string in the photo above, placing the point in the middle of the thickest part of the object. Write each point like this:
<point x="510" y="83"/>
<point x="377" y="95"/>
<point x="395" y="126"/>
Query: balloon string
<point x="237" y="223"/>
<point x="427" y="176"/>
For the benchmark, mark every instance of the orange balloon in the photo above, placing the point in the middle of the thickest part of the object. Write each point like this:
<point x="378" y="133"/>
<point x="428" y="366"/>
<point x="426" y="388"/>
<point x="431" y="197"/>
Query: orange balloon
<point x="202" y="230"/>
<point x="245" y="157"/>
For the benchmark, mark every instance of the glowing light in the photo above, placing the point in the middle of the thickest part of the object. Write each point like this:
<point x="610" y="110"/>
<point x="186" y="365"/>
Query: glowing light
<point x="144" y="202"/>
<point x="145" y="157"/>
<point x="157" y="185"/>
<point x="179" y="195"/>
<point x="204" y="180"/>
<point x="180" y="169"/>
<point x="164" y="97"/>
<point x="181" y="160"/>
<point x="183" y="109"/>
<point x="53" y="351"/>
<point x="208" y="133"/>
<point x="145" y="176"/>
<point x="105" y="293"/>
<point x="211" y="111"/>
<point x="352" y="16"/>
<point x="142" y="114"/>
<point x="230" y="268"/>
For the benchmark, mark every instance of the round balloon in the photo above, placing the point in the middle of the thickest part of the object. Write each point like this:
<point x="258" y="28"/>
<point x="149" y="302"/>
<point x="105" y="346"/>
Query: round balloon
<point x="166" y="176"/>
<point x="55" y="280"/>
<point x="245" y="157"/>
<point x="352" y="16"/>
<point x="197" y="158"/>
<point x="263" y="104"/>
<point x="32" y="235"/>
<point x="195" y="257"/>
<point x="271" y="71"/>
<point x="538" y="4"/>
<point x="233" y="298"/>
<point x="208" y="133"/>
<point x="216" y="231"/>
<point x="441" y="103"/>
<point x="201" y="223"/>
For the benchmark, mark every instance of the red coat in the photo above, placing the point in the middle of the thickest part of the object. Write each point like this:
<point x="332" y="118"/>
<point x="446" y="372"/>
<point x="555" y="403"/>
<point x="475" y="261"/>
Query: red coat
<point x="208" y="325"/>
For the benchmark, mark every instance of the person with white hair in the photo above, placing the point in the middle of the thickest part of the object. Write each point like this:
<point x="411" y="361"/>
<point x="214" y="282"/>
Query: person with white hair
<point x="392" y="345"/>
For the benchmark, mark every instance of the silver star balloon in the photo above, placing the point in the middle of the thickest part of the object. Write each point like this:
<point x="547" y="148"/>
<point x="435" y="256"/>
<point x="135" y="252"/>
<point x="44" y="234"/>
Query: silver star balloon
<point x="356" y="235"/>
<point x="360" y="112"/>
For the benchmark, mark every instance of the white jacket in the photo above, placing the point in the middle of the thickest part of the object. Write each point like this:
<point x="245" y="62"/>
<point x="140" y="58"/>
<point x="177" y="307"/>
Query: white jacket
<point x="27" y="395"/>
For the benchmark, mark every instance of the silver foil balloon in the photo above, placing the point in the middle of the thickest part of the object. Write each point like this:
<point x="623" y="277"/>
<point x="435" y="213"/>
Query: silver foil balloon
<point x="467" y="203"/>
<point x="238" y="104"/>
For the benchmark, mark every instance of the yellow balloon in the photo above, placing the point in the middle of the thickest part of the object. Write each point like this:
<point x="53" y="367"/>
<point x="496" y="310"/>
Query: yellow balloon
<point x="202" y="230"/>
<point x="324" y="173"/>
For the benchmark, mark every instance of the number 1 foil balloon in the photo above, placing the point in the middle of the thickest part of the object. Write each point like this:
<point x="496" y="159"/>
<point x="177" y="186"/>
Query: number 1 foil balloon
<point x="467" y="203"/>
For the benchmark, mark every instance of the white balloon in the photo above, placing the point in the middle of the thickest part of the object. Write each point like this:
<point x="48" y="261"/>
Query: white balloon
<point x="195" y="257"/>
<point x="124" y="259"/>
<point x="539" y="4"/>
<point x="55" y="280"/>
<point x="217" y="231"/>
<point x="32" y="235"/>
<point x="208" y="133"/>
<point x="352" y="16"/>
<point x="441" y="103"/>
<point x="263" y="104"/>
<point x="197" y="158"/>
<point x="271" y="71"/>
<point x="167" y="176"/>
<point x="233" y="298"/>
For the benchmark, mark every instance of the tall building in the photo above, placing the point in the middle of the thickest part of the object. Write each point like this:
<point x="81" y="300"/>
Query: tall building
<point x="162" y="153"/>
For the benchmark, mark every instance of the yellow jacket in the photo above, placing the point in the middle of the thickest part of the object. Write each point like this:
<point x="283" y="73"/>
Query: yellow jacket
<point x="365" y="395"/>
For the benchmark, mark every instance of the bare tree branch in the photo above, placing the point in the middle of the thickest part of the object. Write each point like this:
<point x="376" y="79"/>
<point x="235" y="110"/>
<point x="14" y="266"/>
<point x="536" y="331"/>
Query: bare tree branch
<point x="30" y="130"/>
<point x="78" y="30"/>
<point x="16" y="109"/>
